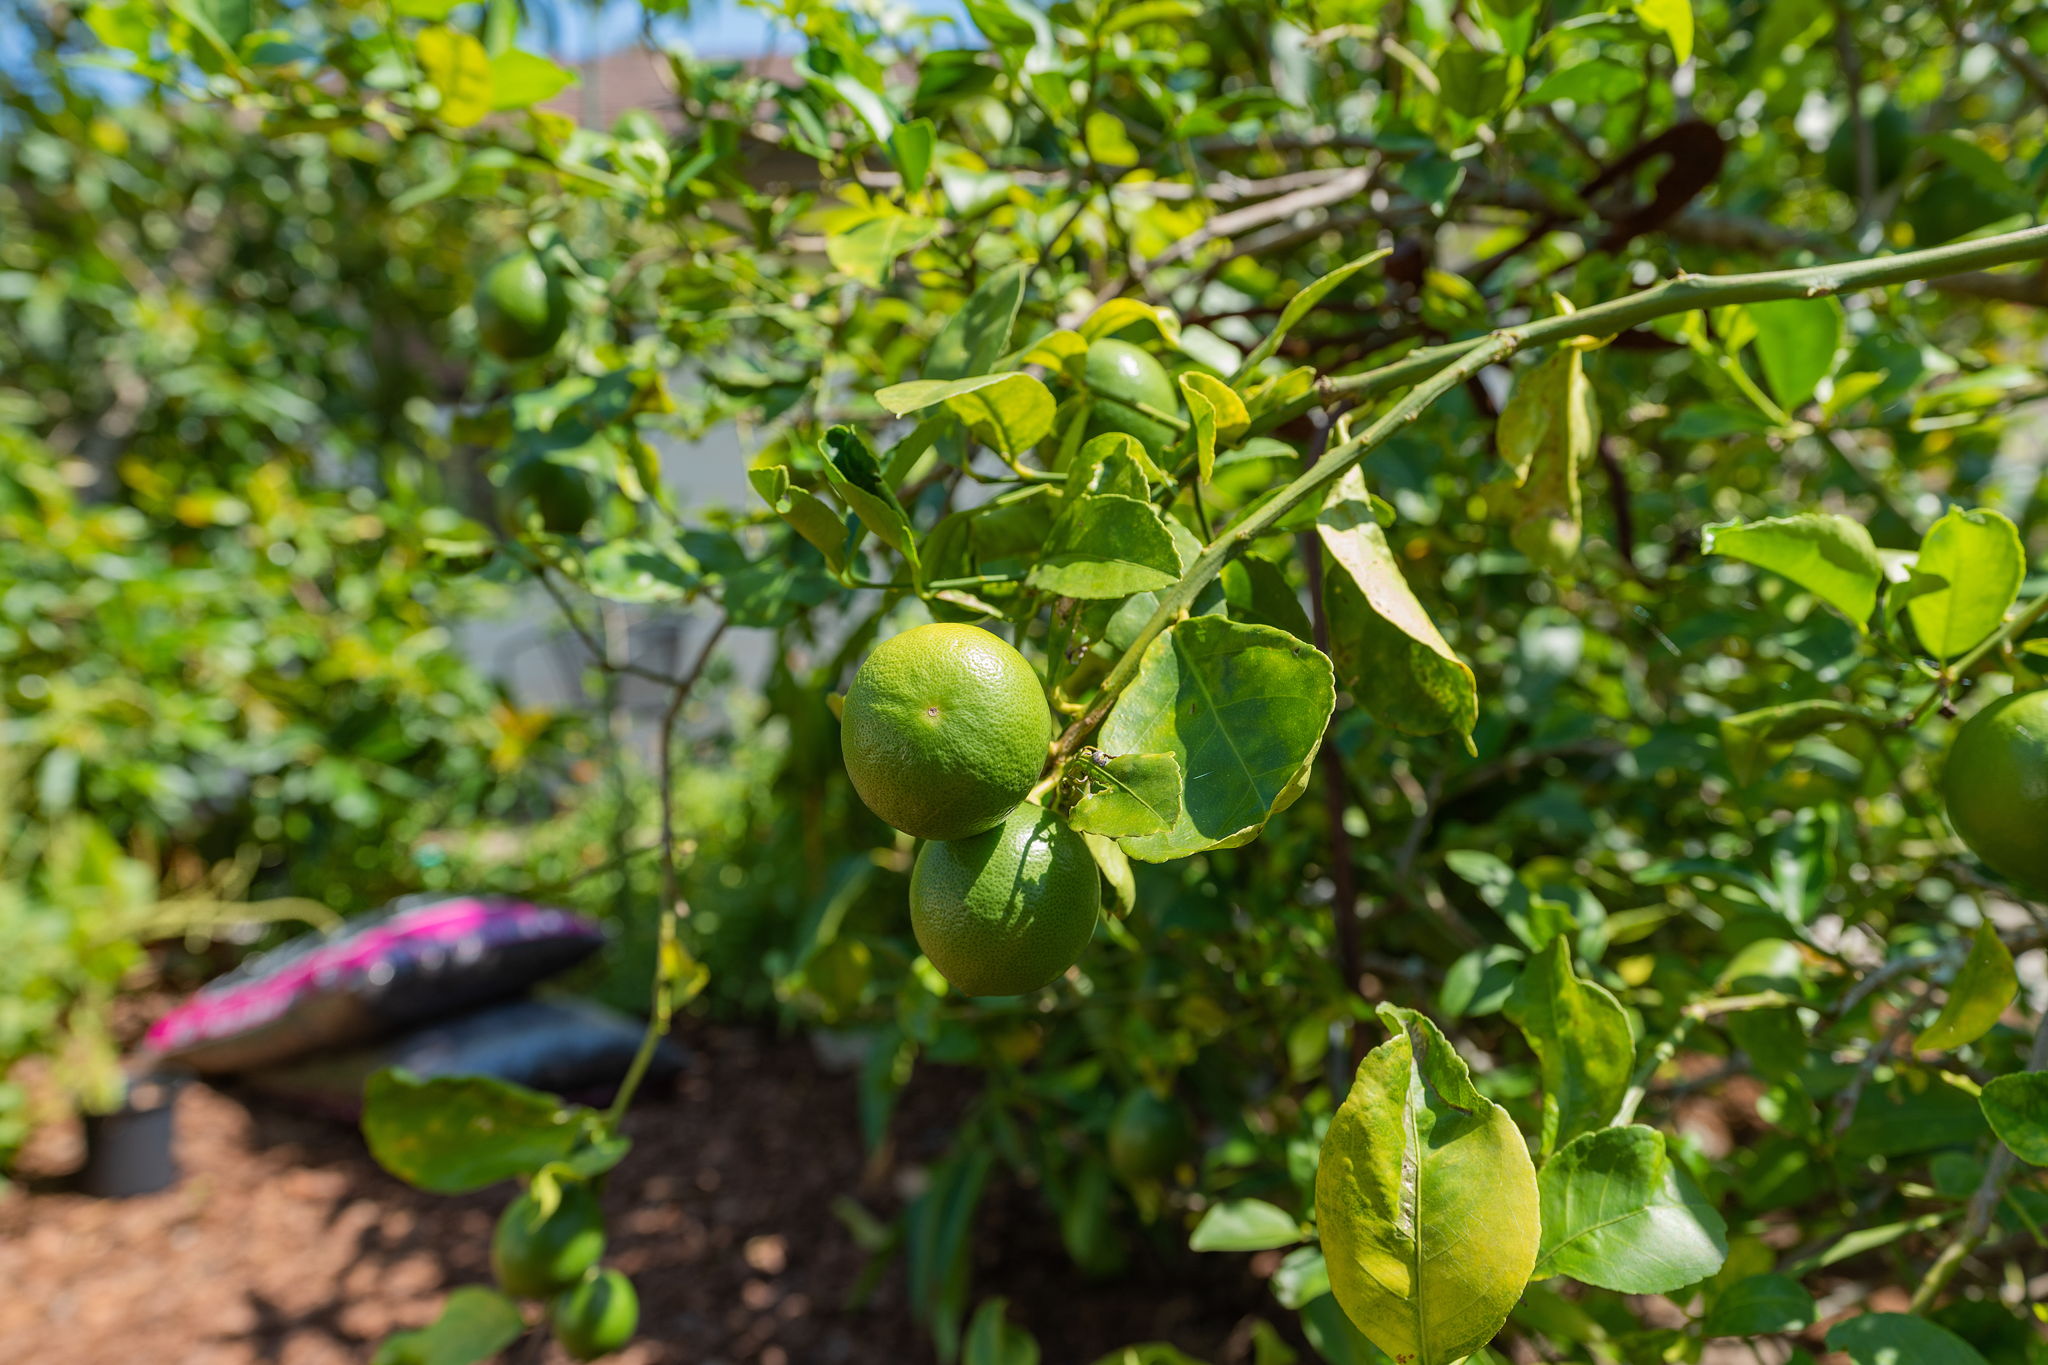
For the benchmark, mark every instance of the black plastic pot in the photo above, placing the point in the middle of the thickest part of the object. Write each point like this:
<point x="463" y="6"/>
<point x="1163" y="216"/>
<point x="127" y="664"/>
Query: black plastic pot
<point x="128" y="1152"/>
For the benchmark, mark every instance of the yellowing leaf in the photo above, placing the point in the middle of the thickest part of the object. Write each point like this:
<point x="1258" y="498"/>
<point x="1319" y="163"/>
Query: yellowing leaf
<point x="1673" y="19"/>
<point x="460" y="69"/>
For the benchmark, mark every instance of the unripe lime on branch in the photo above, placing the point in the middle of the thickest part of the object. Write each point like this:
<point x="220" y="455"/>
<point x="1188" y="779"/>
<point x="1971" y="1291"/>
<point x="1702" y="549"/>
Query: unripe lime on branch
<point x="1008" y="910"/>
<point x="944" y="730"/>
<point x="535" y="1250"/>
<point x="1119" y="375"/>
<point x="1996" y="785"/>
<point x="560" y="496"/>
<point x="521" y="307"/>
<point x="596" y="1316"/>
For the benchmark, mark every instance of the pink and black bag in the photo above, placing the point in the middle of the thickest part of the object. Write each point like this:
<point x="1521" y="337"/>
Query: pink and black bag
<point x="417" y="961"/>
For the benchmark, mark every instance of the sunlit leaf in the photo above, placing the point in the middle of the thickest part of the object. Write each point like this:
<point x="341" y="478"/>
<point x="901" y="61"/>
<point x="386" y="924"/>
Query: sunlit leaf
<point x="1619" y="1214"/>
<point x="1977" y="998"/>
<point x="1830" y="556"/>
<point x="1978" y="553"/>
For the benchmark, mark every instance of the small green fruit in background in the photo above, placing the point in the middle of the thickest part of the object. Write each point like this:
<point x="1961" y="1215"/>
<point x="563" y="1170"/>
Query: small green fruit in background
<point x="535" y="1252"/>
<point x="1996" y="786"/>
<point x="944" y="730"/>
<point x="1148" y="1136"/>
<point x="1120" y="374"/>
<point x="1891" y="145"/>
<point x="559" y="495"/>
<point x="521" y="307"/>
<point x="1008" y="910"/>
<point x="595" y="1316"/>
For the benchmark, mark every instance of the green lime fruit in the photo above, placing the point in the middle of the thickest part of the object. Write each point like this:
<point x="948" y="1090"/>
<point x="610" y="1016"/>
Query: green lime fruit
<point x="1008" y="910"/>
<point x="1951" y="204"/>
<point x="944" y="730"/>
<point x="1120" y="374"/>
<point x="521" y="308"/>
<point x="535" y="1252"/>
<point x="1891" y="143"/>
<point x="597" y="1316"/>
<point x="559" y="495"/>
<point x="1148" y="1136"/>
<point x="1996" y="785"/>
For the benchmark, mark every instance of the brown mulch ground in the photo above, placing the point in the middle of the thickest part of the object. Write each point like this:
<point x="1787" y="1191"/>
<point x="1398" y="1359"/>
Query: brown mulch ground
<point x="286" y="1245"/>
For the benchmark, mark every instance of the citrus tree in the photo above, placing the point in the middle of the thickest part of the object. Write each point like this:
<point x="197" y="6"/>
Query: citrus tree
<point x="1416" y="569"/>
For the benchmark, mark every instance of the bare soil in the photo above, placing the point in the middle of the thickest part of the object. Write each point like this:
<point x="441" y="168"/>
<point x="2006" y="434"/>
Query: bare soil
<point x="286" y="1245"/>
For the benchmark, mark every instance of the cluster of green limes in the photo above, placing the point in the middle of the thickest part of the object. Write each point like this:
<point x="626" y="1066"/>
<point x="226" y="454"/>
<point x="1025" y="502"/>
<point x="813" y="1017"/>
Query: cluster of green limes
<point x="1996" y="785"/>
<point x="944" y="733"/>
<point x="551" y="1252"/>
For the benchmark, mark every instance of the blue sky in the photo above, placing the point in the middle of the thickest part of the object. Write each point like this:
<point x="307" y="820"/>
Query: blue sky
<point x="713" y="28"/>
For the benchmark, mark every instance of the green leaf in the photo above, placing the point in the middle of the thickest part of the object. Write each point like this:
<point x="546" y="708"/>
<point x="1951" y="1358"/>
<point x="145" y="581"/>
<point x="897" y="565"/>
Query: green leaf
<point x="1303" y="1277"/>
<point x="1219" y="415"/>
<point x="1106" y="545"/>
<point x="868" y="250"/>
<point x="1589" y="82"/>
<point x="1751" y="739"/>
<point x="1108" y="142"/>
<point x="1426" y="1201"/>
<point x="1123" y="311"/>
<point x="458" y="1133"/>
<point x="1761" y="1305"/>
<point x="1547" y="430"/>
<point x="976" y="337"/>
<point x="856" y="476"/>
<point x="1138" y="794"/>
<point x="1796" y="342"/>
<point x="1116" y="874"/>
<point x="1242" y="708"/>
<point x="1581" y="1038"/>
<point x="460" y="69"/>
<point x="1009" y="412"/>
<point x="1979" y="554"/>
<point x="1899" y="1339"/>
<point x="2017" y="1108"/>
<point x="1299" y="307"/>
<point x="804" y="511"/>
<point x="1830" y="556"/>
<point x="1985" y="985"/>
<point x="1389" y="653"/>
<point x="992" y="1339"/>
<point x="520" y="79"/>
<point x="475" y="1324"/>
<point x="1619" y="1214"/>
<point x="911" y="144"/>
<point x="1149" y="1353"/>
<point x="1126" y="17"/>
<point x="1673" y="19"/>
<point x="1244" y="1225"/>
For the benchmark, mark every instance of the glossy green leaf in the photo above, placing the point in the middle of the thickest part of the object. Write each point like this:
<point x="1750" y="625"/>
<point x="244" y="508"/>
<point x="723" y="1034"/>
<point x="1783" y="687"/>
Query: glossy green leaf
<point x="1106" y="545"/>
<point x="1619" y="1214"/>
<point x="458" y="1133"/>
<point x="804" y="511"/>
<point x="1983" y="987"/>
<point x="1117" y="876"/>
<point x="1242" y="708"/>
<point x="1219" y="417"/>
<point x="1136" y="794"/>
<point x="1009" y="412"/>
<point x="1830" y="556"/>
<point x="1546" y="432"/>
<point x="1303" y="1276"/>
<point x="475" y="1324"/>
<point x="868" y="250"/>
<point x="1389" y="653"/>
<point x="856" y="477"/>
<point x="1244" y="1225"/>
<point x="1581" y="1038"/>
<point x="1299" y="307"/>
<point x="1426" y="1201"/>
<point x="911" y="144"/>
<point x="1124" y="311"/>
<point x="460" y="69"/>
<point x="519" y="79"/>
<point x="1899" y="1339"/>
<point x="1978" y="554"/>
<point x="1761" y="1305"/>
<point x="1796" y="343"/>
<point x="1753" y="740"/>
<point x="978" y="335"/>
<point x="2017" y="1108"/>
